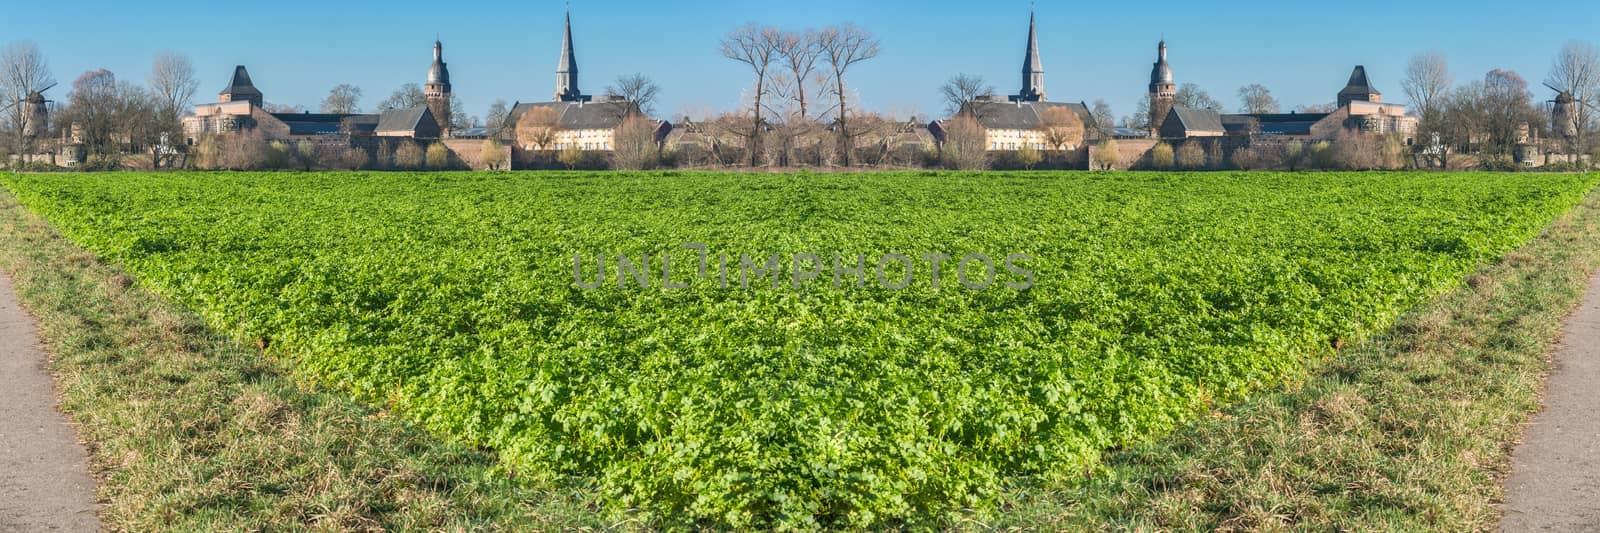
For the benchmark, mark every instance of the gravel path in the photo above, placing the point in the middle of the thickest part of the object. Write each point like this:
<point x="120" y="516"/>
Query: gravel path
<point x="1555" y="471"/>
<point x="44" y="471"/>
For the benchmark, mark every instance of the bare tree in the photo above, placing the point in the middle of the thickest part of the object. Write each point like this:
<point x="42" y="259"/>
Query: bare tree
<point x="536" y="130"/>
<point x="1427" y="83"/>
<point x="843" y="47"/>
<point x="495" y="119"/>
<point x="1257" y="99"/>
<point x="638" y="90"/>
<point x="1427" y="80"/>
<point x="343" y="99"/>
<point x="756" y="47"/>
<point x="800" y="53"/>
<point x="634" y="145"/>
<point x="965" y="144"/>
<point x="1063" y="130"/>
<point x="961" y="91"/>
<point x="172" y="86"/>
<point x="93" y="109"/>
<point x="1105" y="120"/>
<point x="23" y="71"/>
<point x="406" y="97"/>
<point x="1193" y="97"/>
<point x="1576" y="71"/>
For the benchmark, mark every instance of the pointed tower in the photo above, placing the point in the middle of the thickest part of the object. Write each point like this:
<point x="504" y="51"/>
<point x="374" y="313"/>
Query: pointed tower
<point x="240" y="88"/>
<point x="1032" y="67"/>
<point x="438" y="88"/>
<point x="1162" y="90"/>
<point x="1359" y="89"/>
<point x="567" y="70"/>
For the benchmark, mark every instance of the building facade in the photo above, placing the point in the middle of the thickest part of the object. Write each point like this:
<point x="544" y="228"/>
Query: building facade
<point x="1028" y="119"/>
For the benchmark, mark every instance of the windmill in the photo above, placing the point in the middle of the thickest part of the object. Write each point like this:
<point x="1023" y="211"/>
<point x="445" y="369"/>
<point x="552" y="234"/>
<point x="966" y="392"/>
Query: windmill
<point x="1564" y="113"/>
<point x="35" y="113"/>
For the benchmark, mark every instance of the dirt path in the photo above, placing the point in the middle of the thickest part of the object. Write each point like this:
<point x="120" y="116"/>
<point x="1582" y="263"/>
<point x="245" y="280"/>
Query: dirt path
<point x="1555" y="471"/>
<point x="44" y="471"/>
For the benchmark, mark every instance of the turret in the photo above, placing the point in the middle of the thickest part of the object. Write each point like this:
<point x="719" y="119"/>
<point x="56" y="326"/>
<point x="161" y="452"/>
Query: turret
<point x="1162" y="90"/>
<point x="437" y="89"/>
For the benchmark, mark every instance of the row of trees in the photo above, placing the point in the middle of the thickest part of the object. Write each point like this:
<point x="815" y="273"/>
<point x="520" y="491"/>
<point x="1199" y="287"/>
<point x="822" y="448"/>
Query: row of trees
<point x="1497" y="115"/>
<point x="106" y="115"/>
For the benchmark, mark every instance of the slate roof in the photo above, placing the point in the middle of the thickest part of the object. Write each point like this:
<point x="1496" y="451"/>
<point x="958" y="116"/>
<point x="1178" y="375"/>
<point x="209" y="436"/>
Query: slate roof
<point x="575" y="115"/>
<point x="1024" y="115"/>
<point x="240" y="84"/>
<point x="402" y="120"/>
<point x="1272" y="123"/>
<point x="1197" y="119"/>
<point x="1359" y="85"/>
<point x="318" y="123"/>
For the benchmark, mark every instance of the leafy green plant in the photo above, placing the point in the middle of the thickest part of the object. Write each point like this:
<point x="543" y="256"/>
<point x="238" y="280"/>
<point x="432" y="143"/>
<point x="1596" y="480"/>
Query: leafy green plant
<point x="450" y="299"/>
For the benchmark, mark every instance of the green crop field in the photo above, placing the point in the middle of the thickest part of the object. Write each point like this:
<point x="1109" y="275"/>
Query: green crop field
<point x="767" y="394"/>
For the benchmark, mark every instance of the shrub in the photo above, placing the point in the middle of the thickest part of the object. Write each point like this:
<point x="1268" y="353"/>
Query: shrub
<point x="306" y="154"/>
<point x="1293" y="154"/>
<point x="1027" y="158"/>
<point x="1321" y="155"/>
<point x="1106" y="156"/>
<point x="408" y="156"/>
<point x="493" y="155"/>
<point x="352" y="158"/>
<point x="1245" y="158"/>
<point x="1161" y="156"/>
<point x="279" y="155"/>
<point x="572" y="156"/>
<point x="1191" y="156"/>
<point x="438" y="156"/>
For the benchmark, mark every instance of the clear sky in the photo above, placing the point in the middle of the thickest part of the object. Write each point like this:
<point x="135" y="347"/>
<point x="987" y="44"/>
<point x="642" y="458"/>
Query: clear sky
<point x="297" y="49"/>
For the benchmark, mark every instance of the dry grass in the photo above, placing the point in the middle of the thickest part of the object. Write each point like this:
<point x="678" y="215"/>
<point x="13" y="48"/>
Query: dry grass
<point x="190" y="431"/>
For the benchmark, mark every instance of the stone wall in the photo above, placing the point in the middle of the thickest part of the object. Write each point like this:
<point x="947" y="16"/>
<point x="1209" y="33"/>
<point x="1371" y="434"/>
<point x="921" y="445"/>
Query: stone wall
<point x="468" y="153"/>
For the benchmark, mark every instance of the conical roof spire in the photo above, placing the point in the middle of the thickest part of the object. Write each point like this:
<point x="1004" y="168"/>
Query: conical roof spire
<point x="567" y="69"/>
<point x="1032" y="65"/>
<point x="240" y="88"/>
<point x="1359" y="89"/>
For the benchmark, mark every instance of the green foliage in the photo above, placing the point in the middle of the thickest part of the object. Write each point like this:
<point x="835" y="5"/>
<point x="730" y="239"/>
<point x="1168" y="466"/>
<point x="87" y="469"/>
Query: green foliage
<point x="450" y="299"/>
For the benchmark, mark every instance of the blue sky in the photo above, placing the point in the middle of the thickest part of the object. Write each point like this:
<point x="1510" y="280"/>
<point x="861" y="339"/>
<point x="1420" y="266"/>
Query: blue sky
<point x="297" y="49"/>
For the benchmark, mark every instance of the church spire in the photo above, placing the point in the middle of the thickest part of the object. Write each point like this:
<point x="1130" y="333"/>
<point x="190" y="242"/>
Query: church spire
<point x="567" y="70"/>
<point x="1032" y="66"/>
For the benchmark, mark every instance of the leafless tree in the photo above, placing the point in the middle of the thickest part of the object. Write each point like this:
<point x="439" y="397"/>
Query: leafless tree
<point x="1192" y="96"/>
<point x="23" y="71"/>
<point x="1257" y="99"/>
<point x="1105" y="120"/>
<point x="638" y="90"/>
<point x="272" y="107"/>
<point x="800" y="53"/>
<point x="495" y="119"/>
<point x="1576" y="70"/>
<point x="1063" y="130"/>
<point x="965" y="145"/>
<point x="172" y="86"/>
<point x="756" y="47"/>
<point x="1428" y="83"/>
<point x="93" y="108"/>
<point x="406" y="97"/>
<point x="843" y="47"/>
<point x="961" y="91"/>
<point x="536" y="130"/>
<point x="343" y="99"/>
<point x="634" y="146"/>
